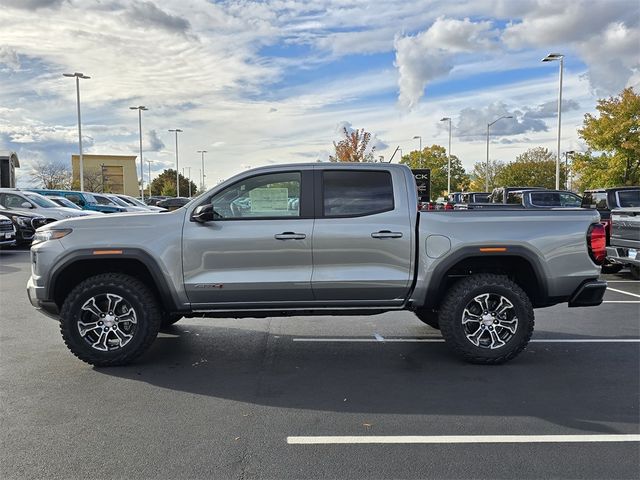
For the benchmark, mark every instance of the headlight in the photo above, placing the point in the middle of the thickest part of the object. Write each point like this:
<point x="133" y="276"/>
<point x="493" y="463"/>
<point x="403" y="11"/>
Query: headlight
<point x="23" y="222"/>
<point x="45" y="235"/>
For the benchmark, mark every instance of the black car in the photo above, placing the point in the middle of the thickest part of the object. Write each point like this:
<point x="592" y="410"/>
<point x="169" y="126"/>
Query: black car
<point x="606" y="199"/>
<point x="173" y="203"/>
<point x="26" y="223"/>
<point x="474" y="197"/>
<point x="501" y="195"/>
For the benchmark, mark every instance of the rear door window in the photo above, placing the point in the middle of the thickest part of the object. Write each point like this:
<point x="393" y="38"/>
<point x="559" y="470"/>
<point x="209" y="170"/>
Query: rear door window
<point x="629" y="198"/>
<point x="595" y="200"/>
<point x="356" y="193"/>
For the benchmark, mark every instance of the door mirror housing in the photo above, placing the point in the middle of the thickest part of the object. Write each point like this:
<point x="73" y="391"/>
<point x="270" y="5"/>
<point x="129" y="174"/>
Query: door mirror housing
<point x="26" y="205"/>
<point x="203" y="214"/>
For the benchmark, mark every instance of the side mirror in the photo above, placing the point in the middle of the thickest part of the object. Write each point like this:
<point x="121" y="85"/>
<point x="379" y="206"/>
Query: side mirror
<point x="203" y="214"/>
<point x="26" y="205"/>
<point x="82" y="203"/>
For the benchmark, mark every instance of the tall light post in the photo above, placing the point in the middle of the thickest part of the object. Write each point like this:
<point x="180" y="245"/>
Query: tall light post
<point x="140" y="108"/>
<point x="420" y="137"/>
<point x="78" y="76"/>
<point x="486" y="182"/>
<point x="566" y="167"/>
<point x="202" y="152"/>
<point x="445" y="119"/>
<point x="149" y="162"/>
<point x="177" y="130"/>
<point x="552" y="57"/>
<point x="188" y="178"/>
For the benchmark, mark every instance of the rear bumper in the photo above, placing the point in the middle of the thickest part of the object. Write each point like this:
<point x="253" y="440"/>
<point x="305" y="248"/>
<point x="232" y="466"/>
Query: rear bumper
<point x="620" y="255"/>
<point x="589" y="294"/>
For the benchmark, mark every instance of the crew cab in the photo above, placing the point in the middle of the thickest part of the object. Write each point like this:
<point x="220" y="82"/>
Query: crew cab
<point x="314" y="239"/>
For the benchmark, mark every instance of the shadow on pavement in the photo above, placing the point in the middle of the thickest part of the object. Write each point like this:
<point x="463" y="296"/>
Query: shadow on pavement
<point x="565" y="384"/>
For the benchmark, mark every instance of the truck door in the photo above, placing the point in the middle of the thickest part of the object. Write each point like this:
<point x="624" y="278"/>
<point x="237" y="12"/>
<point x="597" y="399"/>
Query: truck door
<point x="363" y="237"/>
<point x="257" y="249"/>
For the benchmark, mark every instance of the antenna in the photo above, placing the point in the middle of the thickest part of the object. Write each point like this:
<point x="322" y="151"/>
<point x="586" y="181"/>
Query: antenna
<point x="394" y="153"/>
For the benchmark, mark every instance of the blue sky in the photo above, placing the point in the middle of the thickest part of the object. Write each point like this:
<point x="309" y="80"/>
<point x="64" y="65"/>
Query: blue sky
<point x="273" y="81"/>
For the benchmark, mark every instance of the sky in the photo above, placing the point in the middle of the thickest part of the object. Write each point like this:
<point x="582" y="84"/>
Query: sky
<point x="275" y="81"/>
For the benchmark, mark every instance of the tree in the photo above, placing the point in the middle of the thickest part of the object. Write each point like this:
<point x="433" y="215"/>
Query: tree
<point x="534" y="168"/>
<point x="616" y="132"/>
<point x="165" y="183"/>
<point x="353" y="148"/>
<point x="435" y="158"/>
<point x="479" y="175"/>
<point x="55" y="175"/>
<point x="589" y="171"/>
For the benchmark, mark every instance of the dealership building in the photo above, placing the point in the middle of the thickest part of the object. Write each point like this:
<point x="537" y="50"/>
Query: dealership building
<point x="113" y="173"/>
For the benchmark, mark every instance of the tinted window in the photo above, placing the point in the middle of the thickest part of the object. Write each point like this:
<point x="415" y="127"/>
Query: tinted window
<point x="555" y="199"/>
<point x="595" y="200"/>
<point x="74" y="197"/>
<point x="262" y="196"/>
<point x="40" y="200"/>
<point x="629" y="198"/>
<point x="481" y="197"/>
<point x="356" y="193"/>
<point x="14" y="201"/>
<point x="514" y="197"/>
<point x="103" y="200"/>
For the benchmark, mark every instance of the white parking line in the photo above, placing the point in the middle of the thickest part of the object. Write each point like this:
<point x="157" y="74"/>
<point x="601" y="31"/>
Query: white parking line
<point x="380" y="439"/>
<point x="622" y="281"/>
<point x="440" y="340"/>
<point x="622" y="291"/>
<point x="621" y="301"/>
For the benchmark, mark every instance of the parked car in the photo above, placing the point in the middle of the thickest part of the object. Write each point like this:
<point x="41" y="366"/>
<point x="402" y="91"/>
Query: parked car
<point x="34" y="202"/>
<point x="545" y="199"/>
<point x="112" y="200"/>
<point x="455" y="197"/>
<point x="474" y="197"/>
<point x="7" y="232"/>
<point x="63" y="202"/>
<point x="134" y="202"/>
<point x="84" y="200"/>
<point x="501" y="194"/>
<point x="357" y="246"/>
<point x="154" y="199"/>
<point x="25" y="223"/>
<point x="606" y="199"/>
<point x="173" y="203"/>
<point x="624" y="246"/>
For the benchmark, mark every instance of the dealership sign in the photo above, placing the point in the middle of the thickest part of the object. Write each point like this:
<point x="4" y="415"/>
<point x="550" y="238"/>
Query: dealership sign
<point x="423" y="183"/>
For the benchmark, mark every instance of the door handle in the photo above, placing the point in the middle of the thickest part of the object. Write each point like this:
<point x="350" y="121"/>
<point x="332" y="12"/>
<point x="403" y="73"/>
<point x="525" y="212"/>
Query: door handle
<point x="386" y="234"/>
<point x="289" y="236"/>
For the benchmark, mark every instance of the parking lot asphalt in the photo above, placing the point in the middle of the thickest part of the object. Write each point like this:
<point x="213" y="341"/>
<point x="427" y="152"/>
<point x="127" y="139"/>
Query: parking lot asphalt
<point x="286" y="398"/>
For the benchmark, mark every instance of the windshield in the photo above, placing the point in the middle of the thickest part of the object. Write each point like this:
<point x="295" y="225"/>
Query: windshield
<point x="40" y="200"/>
<point x="89" y="198"/>
<point x="629" y="198"/>
<point x="118" y="201"/>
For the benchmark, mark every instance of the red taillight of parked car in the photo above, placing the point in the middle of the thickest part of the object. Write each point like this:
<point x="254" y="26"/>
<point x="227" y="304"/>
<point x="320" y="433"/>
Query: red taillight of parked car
<point x="448" y="206"/>
<point x="431" y="206"/>
<point x="597" y="243"/>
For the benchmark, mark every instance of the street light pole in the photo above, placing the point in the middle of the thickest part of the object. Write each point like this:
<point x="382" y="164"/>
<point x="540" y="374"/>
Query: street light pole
<point x="140" y="108"/>
<point x="444" y="119"/>
<point x="177" y="130"/>
<point x="566" y="167"/>
<point x="202" y="152"/>
<point x="550" y="58"/>
<point x="189" y="179"/>
<point x="486" y="180"/>
<point x="78" y="76"/>
<point x="420" y="137"/>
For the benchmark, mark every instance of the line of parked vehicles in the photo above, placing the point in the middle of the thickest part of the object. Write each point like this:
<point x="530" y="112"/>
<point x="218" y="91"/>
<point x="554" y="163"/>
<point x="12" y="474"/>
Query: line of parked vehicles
<point x="619" y="210"/>
<point x="23" y="211"/>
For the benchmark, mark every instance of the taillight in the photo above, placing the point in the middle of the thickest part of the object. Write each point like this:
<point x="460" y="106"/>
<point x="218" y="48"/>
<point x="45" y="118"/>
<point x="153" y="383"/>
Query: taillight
<point x="597" y="243"/>
<point x="431" y="206"/>
<point x="448" y="206"/>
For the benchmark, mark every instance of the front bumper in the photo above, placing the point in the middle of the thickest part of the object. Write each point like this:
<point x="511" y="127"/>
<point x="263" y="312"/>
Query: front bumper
<point x="589" y="294"/>
<point x="37" y="298"/>
<point x="623" y="256"/>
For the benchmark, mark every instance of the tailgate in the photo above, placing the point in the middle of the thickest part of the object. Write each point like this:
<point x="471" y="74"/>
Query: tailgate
<point x="625" y="227"/>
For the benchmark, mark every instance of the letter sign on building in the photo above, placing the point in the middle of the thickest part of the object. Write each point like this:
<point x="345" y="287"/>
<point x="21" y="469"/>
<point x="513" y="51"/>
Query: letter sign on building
<point x="423" y="183"/>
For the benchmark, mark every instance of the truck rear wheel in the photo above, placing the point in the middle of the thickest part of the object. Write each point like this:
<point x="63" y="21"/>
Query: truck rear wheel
<point x="109" y="319"/>
<point x="486" y="319"/>
<point x="429" y="317"/>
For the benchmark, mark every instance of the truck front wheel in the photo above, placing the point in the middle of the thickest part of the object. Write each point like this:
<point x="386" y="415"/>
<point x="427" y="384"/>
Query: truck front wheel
<point x="486" y="319"/>
<point x="109" y="319"/>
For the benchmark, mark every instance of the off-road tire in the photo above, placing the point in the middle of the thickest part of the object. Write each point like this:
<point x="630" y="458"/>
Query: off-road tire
<point x="429" y="317"/>
<point x="456" y="300"/>
<point x="169" y="319"/>
<point x="611" y="268"/>
<point x="135" y="293"/>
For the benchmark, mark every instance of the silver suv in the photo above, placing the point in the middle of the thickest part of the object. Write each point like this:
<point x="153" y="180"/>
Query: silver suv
<point x="34" y="202"/>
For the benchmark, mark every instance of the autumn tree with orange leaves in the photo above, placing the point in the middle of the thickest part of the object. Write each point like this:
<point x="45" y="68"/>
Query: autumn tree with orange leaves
<point x="353" y="148"/>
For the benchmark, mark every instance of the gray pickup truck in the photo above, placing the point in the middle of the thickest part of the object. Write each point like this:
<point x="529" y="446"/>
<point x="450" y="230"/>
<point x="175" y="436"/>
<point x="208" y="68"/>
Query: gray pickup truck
<point x="625" y="239"/>
<point x="314" y="239"/>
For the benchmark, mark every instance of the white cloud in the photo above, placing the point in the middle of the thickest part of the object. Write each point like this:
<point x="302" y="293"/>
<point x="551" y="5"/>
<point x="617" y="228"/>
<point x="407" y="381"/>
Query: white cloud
<point x="429" y="54"/>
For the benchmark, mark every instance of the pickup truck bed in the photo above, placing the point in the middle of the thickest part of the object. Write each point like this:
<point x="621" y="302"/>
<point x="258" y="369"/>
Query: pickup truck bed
<point x="625" y="239"/>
